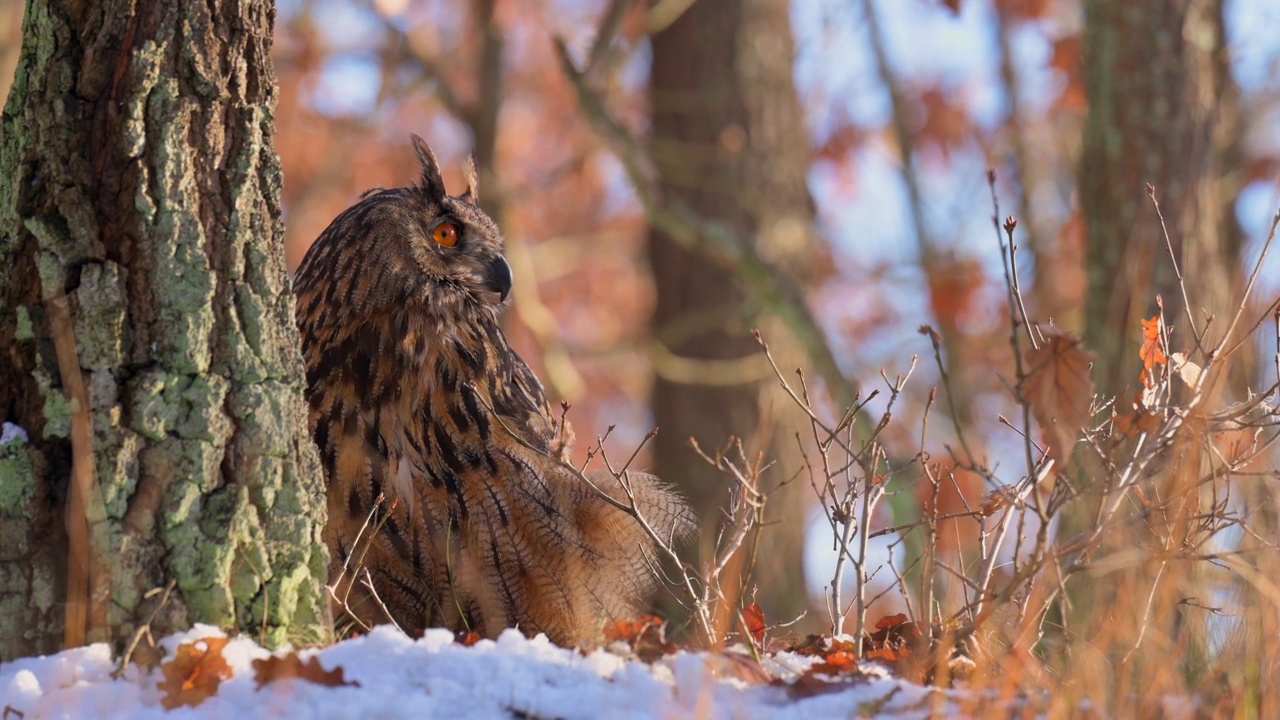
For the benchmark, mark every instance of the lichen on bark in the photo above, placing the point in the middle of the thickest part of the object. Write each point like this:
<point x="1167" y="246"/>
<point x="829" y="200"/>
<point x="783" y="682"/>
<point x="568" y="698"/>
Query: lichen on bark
<point x="140" y="183"/>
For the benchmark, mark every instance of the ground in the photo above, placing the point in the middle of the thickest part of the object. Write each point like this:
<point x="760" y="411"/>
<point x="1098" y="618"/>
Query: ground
<point x="435" y="676"/>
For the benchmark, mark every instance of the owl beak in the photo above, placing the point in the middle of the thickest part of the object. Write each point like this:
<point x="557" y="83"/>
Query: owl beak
<point x="497" y="278"/>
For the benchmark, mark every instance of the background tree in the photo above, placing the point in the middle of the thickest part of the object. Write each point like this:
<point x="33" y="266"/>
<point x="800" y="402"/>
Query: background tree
<point x="1163" y="109"/>
<point x="150" y="348"/>
<point x="729" y="144"/>
<point x="903" y="107"/>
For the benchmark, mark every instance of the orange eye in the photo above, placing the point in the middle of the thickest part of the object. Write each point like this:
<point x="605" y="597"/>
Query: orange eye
<point x="445" y="234"/>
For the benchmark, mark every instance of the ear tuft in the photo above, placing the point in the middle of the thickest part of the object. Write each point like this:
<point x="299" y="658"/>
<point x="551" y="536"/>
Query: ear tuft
<point x="432" y="182"/>
<point x="472" y="195"/>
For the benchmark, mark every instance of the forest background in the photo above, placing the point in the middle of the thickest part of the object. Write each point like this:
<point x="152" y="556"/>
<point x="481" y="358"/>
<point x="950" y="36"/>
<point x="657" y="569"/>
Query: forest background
<point x="849" y="144"/>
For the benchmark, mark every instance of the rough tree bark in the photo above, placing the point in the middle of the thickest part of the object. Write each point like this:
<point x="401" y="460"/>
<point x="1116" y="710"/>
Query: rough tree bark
<point x="142" y="279"/>
<point x="1162" y="110"/>
<point x="729" y="142"/>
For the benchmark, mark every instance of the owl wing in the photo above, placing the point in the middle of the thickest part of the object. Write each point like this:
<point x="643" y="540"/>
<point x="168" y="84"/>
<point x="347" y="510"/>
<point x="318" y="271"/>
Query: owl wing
<point x="521" y="403"/>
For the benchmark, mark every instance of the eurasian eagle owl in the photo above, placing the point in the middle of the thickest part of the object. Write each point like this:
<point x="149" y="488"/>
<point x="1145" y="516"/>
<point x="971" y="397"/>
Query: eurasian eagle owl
<point x="415" y="393"/>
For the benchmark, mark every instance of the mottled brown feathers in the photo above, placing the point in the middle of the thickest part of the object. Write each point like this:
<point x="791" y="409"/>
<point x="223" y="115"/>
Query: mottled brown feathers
<point x="415" y="394"/>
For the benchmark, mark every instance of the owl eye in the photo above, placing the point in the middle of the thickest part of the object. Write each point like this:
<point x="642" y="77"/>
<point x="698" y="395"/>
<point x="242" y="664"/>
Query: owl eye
<point x="445" y="234"/>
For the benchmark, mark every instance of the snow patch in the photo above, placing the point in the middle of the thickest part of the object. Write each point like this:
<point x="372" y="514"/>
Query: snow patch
<point x="435" y="677"/>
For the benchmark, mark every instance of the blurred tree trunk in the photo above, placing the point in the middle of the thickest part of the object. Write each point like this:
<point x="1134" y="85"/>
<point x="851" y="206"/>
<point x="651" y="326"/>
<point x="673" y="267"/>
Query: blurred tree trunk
<point x="729" y="142"/>
<point x="1162" y="110"/>
<point x="150" y="351"/>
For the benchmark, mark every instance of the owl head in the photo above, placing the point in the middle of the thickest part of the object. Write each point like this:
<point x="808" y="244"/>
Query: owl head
<point x="415" y="250"/>
<point x="458" y="246"/>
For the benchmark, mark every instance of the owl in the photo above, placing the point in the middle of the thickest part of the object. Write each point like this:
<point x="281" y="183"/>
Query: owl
<point x="416" y="397"/>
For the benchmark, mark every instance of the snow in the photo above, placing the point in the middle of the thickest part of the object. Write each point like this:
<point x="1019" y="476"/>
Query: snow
<point x="433" y="676"/>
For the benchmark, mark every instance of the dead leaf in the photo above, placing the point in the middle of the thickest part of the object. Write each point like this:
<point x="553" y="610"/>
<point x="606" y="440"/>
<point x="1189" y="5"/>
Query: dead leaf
<point x="646" y="636"/>
<point x="896" y="637"/>
<point x="1188" y="371"/>
<point x="753" y="619"/>
<point x="1059" y="388"/>
<point x="194" y="673"/>
<point x="811" y="645"/>
<point x="1152" y="352"/>
<point x="821" y="646"/>
<point x="998" y="499"/>
<point x="291" y="666"/>
<point x="628" y="631"/>
<point x="836" y="663"/>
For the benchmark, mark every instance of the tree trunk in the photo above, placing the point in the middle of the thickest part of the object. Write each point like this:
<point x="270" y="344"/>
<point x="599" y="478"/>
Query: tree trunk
<point x="1162" y="110"/>
<point x="729" y="142"/>
<point x="150" y="351"/>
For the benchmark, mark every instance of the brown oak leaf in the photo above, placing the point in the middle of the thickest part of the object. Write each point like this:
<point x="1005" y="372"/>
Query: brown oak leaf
<point x="1059" y="388"/>
<point x="283" y="667"/>
<point x="1152" y="352"/>
<point x="194" y="673"/>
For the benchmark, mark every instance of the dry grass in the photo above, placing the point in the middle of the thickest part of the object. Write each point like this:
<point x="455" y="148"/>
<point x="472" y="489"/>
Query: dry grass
<point x="1130" y="557"/>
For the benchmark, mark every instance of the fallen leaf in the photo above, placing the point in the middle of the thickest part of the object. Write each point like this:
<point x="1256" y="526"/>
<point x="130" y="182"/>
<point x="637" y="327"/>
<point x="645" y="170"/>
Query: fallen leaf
<point x="895" y="638"/>
<point x="646" y="636"/>
<point x="194" y="673"/>
<point x="629" y="630"/>
<point x="889" y="622"/>
<point x="753" y="618"/>
<point x="809" y="646"/>
<point x="821" y="646"/>
<point x="889" y="655"/>
<point x="291" y="666"/>
<point x="1059" y="388"/>
<point x="837" y="663"/>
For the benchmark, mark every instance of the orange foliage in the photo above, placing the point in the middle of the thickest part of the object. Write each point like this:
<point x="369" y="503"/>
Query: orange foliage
<point x="946" y="121"/>
<point x="955" y="285"/>
<point x="194" y="673"/>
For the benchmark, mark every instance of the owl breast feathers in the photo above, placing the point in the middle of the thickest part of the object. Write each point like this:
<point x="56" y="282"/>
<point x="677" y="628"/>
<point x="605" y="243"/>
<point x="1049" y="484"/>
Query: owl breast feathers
<point x="414" y="393"/>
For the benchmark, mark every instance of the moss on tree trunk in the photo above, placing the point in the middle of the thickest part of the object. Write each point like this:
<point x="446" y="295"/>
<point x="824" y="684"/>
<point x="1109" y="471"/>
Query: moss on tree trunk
<point x="139" y="197"/>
